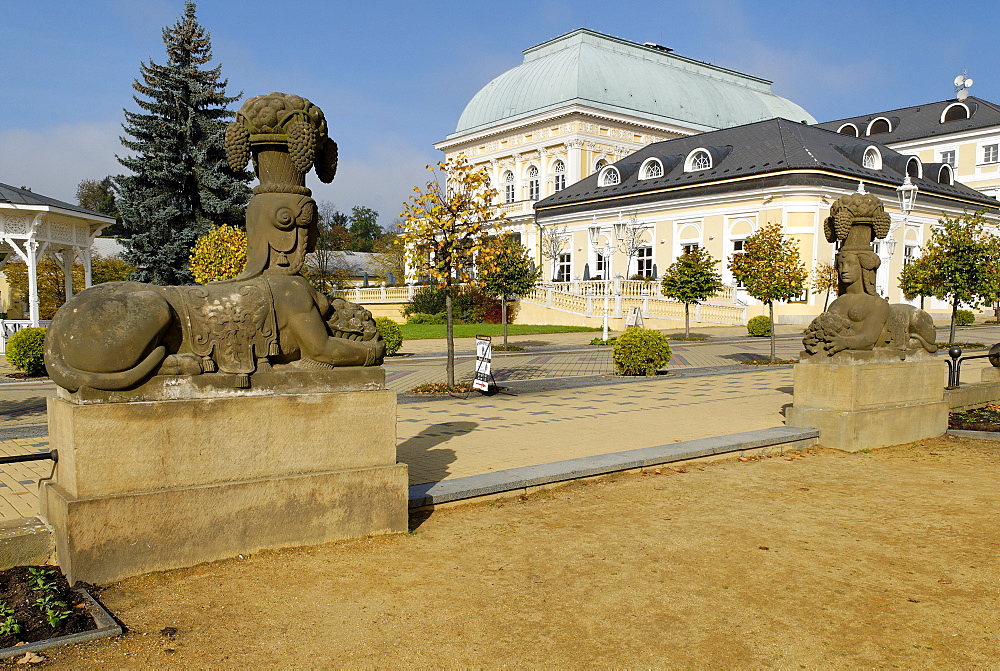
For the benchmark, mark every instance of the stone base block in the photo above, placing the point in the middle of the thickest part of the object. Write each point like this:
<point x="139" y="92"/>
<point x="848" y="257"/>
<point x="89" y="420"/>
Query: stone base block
<point x="868" y="429"/>
<point x="972" y="395"/>
<point x="106" y="538"/>
<point x="991" y="374"/>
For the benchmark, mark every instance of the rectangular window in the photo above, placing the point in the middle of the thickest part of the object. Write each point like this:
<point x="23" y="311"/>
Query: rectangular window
<point x="533" y="189"/>
<point x="949" y="158"/>
<point x="601" y="265"/>
<point x="561" y="181"/>
<point x="563" y="268"/>
<point x="688" y="247"/>
<point x="508" y="193"/>
<point x="644" y="261"/>
<point x="990" y="153"/>
<point x="738" y="249"/>
<point x="909" y="254"/>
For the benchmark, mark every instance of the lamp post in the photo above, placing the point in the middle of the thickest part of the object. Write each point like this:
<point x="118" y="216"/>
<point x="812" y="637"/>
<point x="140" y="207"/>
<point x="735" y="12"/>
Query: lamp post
<point x="907" y="193"/>
<point x="613" y="239"/>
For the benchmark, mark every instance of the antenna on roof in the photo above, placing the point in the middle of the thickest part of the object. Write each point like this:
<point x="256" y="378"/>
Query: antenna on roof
<point x="962" y="84"/>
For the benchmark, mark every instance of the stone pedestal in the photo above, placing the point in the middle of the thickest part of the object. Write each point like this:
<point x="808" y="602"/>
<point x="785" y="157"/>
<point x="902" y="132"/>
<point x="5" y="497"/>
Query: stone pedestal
<point x="863" y="400"/>
<point x="151" y="485"/>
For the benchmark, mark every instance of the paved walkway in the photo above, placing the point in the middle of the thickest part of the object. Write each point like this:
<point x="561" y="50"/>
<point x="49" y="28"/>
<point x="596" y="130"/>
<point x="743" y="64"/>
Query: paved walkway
<point x="566" y="415"/>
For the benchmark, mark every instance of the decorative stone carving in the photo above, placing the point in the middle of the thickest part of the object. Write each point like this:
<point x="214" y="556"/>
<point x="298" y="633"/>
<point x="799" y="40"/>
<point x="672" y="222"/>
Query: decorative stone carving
<point x="860" y="320"/>
<point x="118" y="335"/>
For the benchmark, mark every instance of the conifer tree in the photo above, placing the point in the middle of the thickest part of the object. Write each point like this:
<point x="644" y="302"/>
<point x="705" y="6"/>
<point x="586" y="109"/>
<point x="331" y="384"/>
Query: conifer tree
<point x="181" y="185"/>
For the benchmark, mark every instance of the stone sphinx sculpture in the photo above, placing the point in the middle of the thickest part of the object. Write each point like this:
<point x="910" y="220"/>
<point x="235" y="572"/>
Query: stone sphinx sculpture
<point x="118" y="335"/>
<point x="859" y="319"/>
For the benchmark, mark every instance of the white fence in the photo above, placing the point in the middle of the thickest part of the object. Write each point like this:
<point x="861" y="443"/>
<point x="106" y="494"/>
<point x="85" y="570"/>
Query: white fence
<point x="9" y="327"/>
<point x="587" y="299"/>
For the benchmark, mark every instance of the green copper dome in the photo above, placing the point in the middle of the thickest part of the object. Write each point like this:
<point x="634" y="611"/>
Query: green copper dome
<point x="614" y="75"/>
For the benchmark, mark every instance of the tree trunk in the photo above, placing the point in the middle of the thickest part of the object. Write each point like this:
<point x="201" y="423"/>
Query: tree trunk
<point x="770" y="309"/>
<point x="826" y="300"/>
<point x="503" y="318"/>
<point x="687" y="320"/>
<point x="450" y="336"/>
<point x="954" y="314"/>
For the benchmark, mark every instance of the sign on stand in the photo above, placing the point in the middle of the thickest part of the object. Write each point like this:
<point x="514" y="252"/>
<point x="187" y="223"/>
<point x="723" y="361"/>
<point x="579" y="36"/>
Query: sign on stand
<point x="484" y="358"/>
<point x="634" y="317"/>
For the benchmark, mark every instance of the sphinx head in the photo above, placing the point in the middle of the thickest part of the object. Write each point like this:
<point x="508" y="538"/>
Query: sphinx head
<point x="281" y="230"/>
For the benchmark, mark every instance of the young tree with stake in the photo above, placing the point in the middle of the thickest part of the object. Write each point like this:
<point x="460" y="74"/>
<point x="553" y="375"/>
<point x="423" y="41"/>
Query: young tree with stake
<point x="691" y="279"/>
<point x="444" y="227"/>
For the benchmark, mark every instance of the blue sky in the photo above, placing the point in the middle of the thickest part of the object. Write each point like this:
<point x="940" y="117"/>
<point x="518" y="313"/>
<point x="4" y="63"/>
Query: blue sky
<point x="393" y="77"/>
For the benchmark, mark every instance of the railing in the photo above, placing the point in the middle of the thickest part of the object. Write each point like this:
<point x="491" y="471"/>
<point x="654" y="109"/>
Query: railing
<point x="650" y="307"/>
<point x="9" y="327"/>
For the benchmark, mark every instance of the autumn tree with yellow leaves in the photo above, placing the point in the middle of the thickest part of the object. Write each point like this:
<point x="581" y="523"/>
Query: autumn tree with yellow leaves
<point x="218" y="255"/>
<point x="444" y="227"/>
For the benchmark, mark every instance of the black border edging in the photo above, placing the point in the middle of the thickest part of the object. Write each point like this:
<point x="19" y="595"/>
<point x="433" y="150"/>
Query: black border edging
<point x="106" y="626"/>
<point x="512" y="479"/>
<point x="981" y="435"/>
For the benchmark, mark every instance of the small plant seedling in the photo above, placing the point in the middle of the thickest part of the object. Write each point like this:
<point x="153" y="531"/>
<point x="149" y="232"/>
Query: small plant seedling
<point x="9" y="625"/>
<point x="55" y="611"/>
<point x="38" y="580"/>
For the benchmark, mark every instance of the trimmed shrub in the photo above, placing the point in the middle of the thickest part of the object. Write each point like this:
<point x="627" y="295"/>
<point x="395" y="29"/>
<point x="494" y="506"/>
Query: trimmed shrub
<point x="759" y="326"/>
<point x="640" y="351"/>
<point x="422" y="318"/>
<point x="391" y="334"/>
<point x="965" y="318"/>
<point x="426" y="300"/>
<point x="26" y="351"/>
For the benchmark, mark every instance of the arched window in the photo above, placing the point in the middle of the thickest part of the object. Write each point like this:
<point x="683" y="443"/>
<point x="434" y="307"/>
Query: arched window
<point x="651" y="168"/>
<point x="533" y="183"/>
<point x="914" y="168"/>
<point x="955" y="112"/>
<point x="699" y="159"/>
<point x="878" y="126"/>
<point x="609" y="177"/>
<point x="600" y="165"/>
<point x="508" y="187"/>
<point x="848" y="129"/>
<point x="560" y="170"/>
<point x="872" y="159"/>
<point x="946" y="176"/>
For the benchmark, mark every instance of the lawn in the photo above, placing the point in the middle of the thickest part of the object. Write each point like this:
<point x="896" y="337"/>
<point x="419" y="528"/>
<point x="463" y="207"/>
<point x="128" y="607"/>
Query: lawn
<point x="423" y="331"/>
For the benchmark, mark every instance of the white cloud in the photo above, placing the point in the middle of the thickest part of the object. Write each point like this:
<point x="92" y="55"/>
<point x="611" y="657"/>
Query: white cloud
<point x="54" y="161"/>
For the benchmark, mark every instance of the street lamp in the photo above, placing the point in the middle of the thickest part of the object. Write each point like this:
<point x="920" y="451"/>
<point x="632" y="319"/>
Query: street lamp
<point x="613" y="239"/>
<point x="907" y="192"/>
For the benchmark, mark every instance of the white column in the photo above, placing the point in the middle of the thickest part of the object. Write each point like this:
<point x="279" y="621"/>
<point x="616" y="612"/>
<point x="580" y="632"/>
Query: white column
<point x="88" y="278"/>
<point x="519" y="193"/>
<point x="574" y="159"/>
<point x="67" y="264"/>
<point x="31" y="246"/>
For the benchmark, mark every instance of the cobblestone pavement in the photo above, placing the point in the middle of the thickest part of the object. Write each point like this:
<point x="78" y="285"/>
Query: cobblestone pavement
<point x="454" y="437"/>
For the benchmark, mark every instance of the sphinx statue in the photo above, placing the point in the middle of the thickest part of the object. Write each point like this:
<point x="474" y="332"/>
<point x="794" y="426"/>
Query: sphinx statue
<point x="859" y="319"/>
<point x="118" y="335"/>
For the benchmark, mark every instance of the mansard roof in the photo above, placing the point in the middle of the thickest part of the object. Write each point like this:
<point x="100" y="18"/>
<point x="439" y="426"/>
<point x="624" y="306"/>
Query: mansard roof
<point x="743" y="156"/>
<point x="924" y="121"/>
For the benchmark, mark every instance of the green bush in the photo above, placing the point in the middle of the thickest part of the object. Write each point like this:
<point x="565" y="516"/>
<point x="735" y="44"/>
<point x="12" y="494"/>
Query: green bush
<point x="426" y="300"/>
<point x="391" y="334"/>
<point x="640" y="351"/>
<point x="422" y="318"/>
<point x="468" y="305"/>
<point x="965" y="318"/>
<point x="759" y="326"/>
<point x="26" y="351"/>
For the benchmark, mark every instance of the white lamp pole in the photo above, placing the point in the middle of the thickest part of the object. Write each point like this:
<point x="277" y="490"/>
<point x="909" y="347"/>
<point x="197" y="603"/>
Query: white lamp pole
<point x="612" y="242"/>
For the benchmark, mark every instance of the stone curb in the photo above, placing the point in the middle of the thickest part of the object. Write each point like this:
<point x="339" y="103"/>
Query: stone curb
<point x="456" y="489"/>
<point x="981" y="435"/>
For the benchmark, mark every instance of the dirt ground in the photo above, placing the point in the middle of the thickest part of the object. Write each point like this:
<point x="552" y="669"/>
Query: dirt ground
<point x="886" y="558"/>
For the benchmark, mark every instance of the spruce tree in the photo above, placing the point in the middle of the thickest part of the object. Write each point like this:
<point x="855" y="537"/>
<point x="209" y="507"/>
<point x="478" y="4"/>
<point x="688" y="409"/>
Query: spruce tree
<point x="181" y="185"/>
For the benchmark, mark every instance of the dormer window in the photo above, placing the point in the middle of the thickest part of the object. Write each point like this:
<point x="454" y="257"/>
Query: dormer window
<point x="872" y="159"/>
<point x="697" y="160"/>
<point x="609" y="176"/>
<point x="914" y="168"/>
<point x="955" y="112"/>
<point x="946" y="175"/>
<point x="848" y="129"/>
<point x="651" y="168"/>
<point x="600" y="165"/>
<point x="879" y="126"/>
